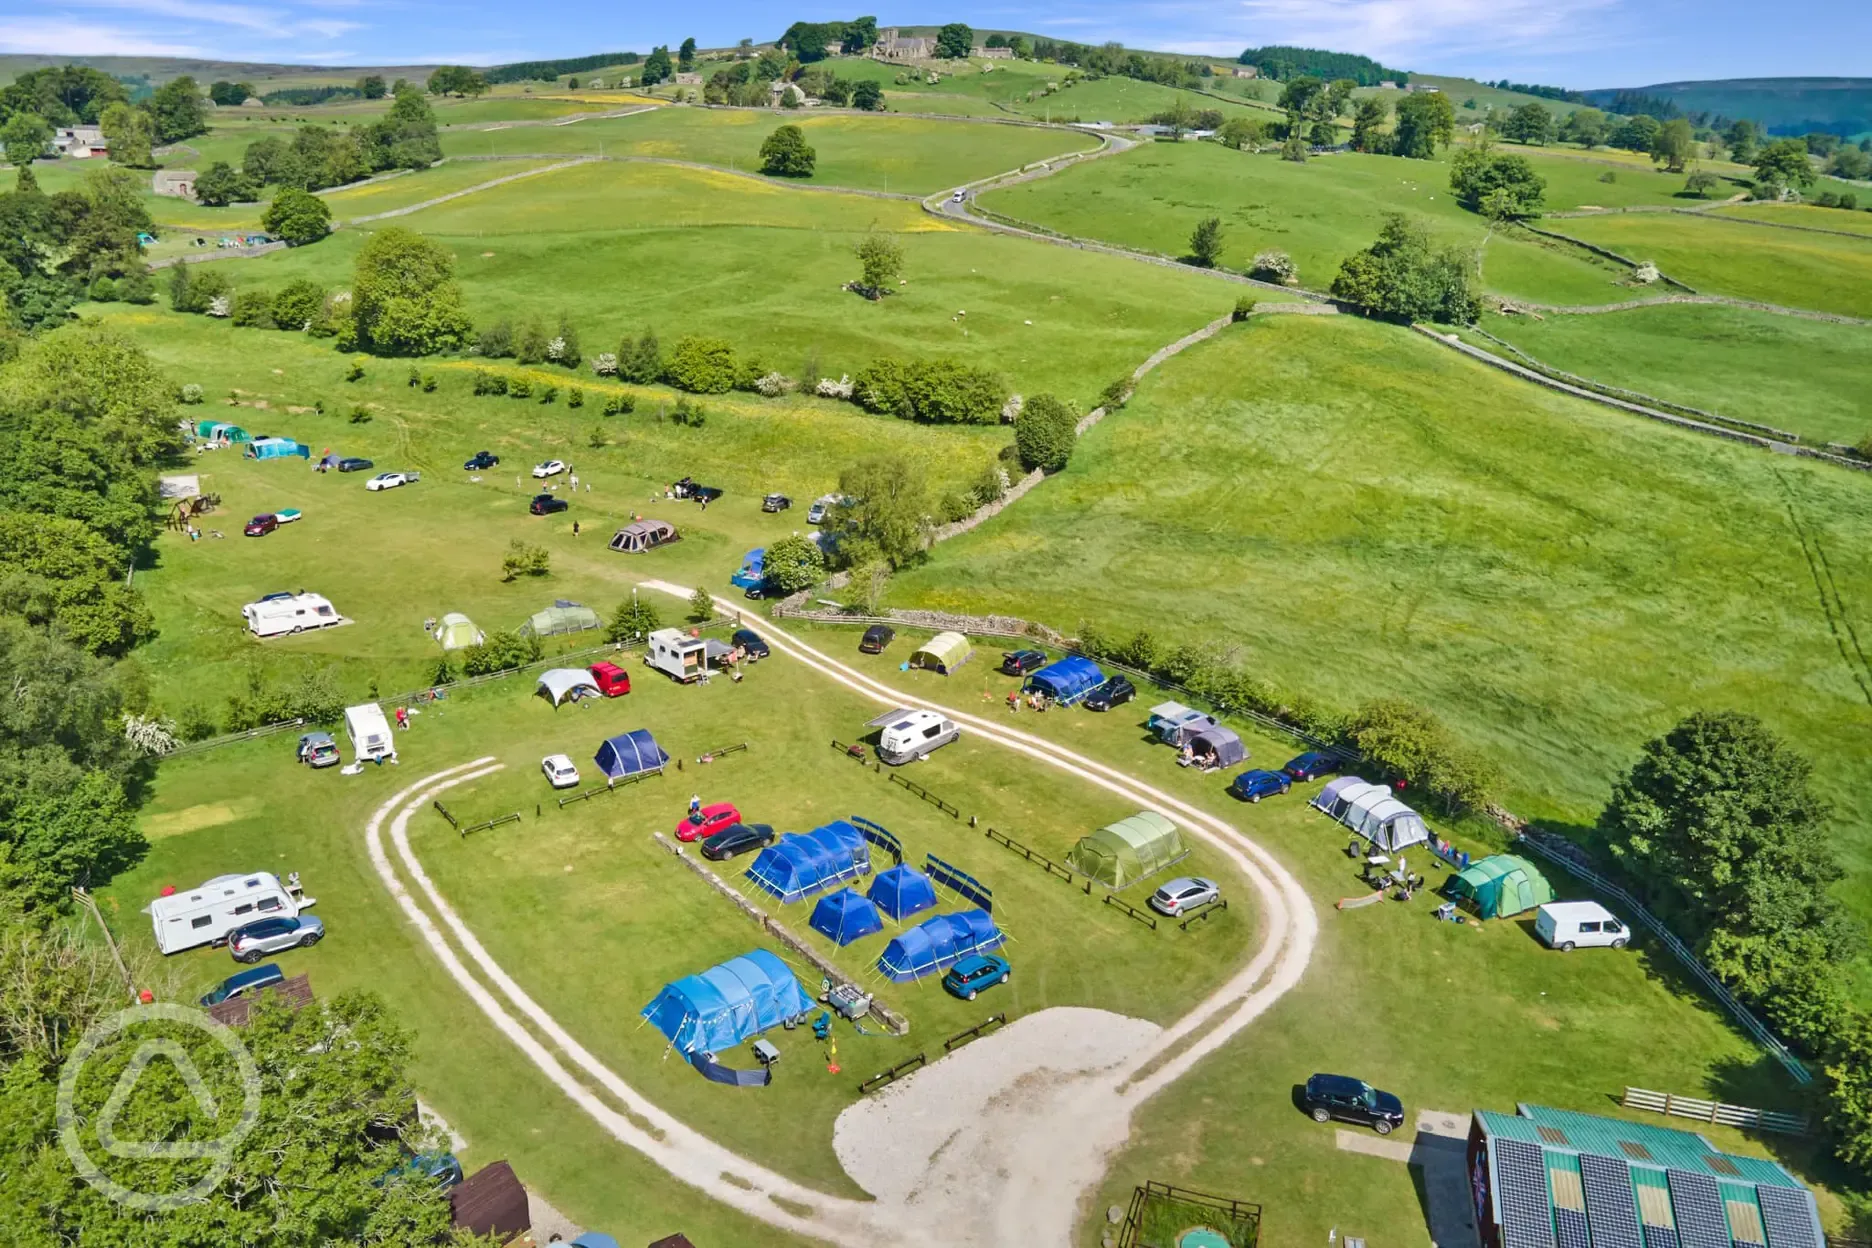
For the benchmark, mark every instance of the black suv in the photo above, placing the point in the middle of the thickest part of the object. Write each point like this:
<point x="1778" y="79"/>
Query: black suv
<point x="480" y="460"/>
<point x="1114" y="692"/>
<point x="876" y="638"/>
<point x="775" y="502"/>
<point x="547" y="504"/>
<point x="1022" y="662"/>
<point x="1354" y="1100"/>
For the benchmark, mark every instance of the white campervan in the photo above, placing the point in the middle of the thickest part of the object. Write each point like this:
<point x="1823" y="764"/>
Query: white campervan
<point x="207" y="914"/>
<point x="676" y="654"/>
<point x="370" y="734"/>
<point x="1565" y="924"/>
<point x="289" y="613"/>
<point x="909" y="735"/>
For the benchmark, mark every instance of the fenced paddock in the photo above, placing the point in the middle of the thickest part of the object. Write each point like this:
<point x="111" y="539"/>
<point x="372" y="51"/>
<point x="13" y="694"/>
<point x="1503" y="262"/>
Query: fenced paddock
<point x="1161" y="1216"/>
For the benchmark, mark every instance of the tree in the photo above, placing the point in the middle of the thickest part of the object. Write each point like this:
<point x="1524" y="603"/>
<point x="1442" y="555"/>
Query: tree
<point x="1701" y="183"/>
<point x="1852" y="163"/>
<point x="656" y="67"/>
<point x="456" y="80"/>
<point x="701" y="365"/>
<point x="685" y="55"/>
<point x="1584" y="126"/>
<point x="1502" y="184"/>
<point x="701" y="605"/>
<point x="299" y="217"/>
<point x="404" y="299"/>
<point x="1368" y="125"/>
<point x="633" y="620"/>
<point x="1408" y="741"/>
<point x="176" y="109"/>
<point x="372" y="87"/>
<point x="881" y="259"/>
<point x="81" y="835"/>
<point x="1404" y="277"/>
<point x="1784" y="163"/>
<point x="954" y="42"/>
<point x="1044" y="433"/>
<point x="221" y="184"/>
<point x="785" y="153"/>
<point x="792" y="564"/>
<point x="883" y="513"/>
<point x="1425" y="121"/>
<point x="1529" y="123"/>
<point x="525" y="559"/>
<point x="1241" y="133"/>
<point x="1206" y="243"/>
<point x="1742" y="138"/>
<point x="1635" y="134"/>
<point x="298" y="304"/>
<point x="641" y="361"/>
<point x="24" y="136"/>
<point x="504" y="649"/>
<point x="868" y="96"/>
<point x="1675" y="145"/>
<point x="130" y="133"/>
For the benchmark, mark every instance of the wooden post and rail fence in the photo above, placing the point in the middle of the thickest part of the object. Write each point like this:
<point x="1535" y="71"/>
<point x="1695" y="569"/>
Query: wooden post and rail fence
<point x="1716" y="1112"/>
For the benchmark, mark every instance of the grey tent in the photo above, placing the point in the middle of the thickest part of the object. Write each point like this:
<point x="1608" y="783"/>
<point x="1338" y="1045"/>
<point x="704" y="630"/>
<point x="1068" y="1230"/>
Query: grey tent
<point x="641" y="535"/>
<point x="1326" y="797"/>
<point x="1217" y="747"/>
<point x="561" y="683"/>
<point x="1391" y="826"/>
<point x="561" y="617"/>
<point x="1345" y="799"/>
<point x="1176" y="724"/>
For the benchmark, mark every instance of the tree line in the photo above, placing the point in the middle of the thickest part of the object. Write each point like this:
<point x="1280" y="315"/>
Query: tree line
<point x="1284" y="63"/>
<point x="39" y="100"/>
<point x="60" y="249"/>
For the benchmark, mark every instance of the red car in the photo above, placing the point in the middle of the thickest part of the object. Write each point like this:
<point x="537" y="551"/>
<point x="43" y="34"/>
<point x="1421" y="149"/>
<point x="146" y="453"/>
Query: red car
<point x="260" y="526"/>
<point x="707" y="821"/>
<point x="613" y="681"/>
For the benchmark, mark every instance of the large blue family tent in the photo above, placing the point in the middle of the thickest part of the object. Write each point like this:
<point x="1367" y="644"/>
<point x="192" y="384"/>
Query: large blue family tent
<point x="1067" y="680"/>
<point x="724" y="1005"/>
<point x="631" y="754"/>
<point x="277" y="448"/>
<point x="902" y="891"/>
<point x="935" y="945"/>
<point x="798" y="866"/>
<point x="844" y="916"/>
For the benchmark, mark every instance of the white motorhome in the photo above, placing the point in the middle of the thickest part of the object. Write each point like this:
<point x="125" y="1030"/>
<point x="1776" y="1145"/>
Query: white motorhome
<point x="676" y="654"/>
<point x="371" y="739"/>
<point x="289" y="613"/>
<point x="908" y="735"/>
<point x="1564" y="924"/>
<point x="206" y="915"/>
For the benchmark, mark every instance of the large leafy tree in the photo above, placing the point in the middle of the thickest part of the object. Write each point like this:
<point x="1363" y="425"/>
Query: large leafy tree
<point x="1584" y="126"/>
<point x="1368" y="125"/>
<point x="176" y="109"/>
<point x="297" y="216"/>
<point x="954" y="41"/>
<point x="785" y="153"/>
<point x="404" y="298"/>
<point x="221" y="184"/>
<point x="1675" y="145"/>
<point x="1044" y="433"/>
<point x="1501" y="184"/>
<point x="1425" y="121"/>
<point x="457" y="80"/>
<point x="792" y="564"/>
<point x="1530" y="123"/>
<point x="1404" y="276"/>
<point x="24" y="136"/>
<point x="884" y="513"/>
<point x="60" y="573"/>
<point x="1784" y="163"/>
<point x="131" y="134"/>
<point x="656" y="67"/>
<point x="99" y="380"/>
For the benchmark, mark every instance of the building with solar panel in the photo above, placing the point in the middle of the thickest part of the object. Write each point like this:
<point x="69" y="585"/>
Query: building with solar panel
<point x="1550" y="1178"/>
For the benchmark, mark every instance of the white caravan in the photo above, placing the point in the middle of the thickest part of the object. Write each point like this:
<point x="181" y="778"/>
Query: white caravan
<point x="1565" y="924"/>
<point x="908" y="735"/>
<point x="290" y="613"/>
<point x="676" y="654"/>
<point x="206" y="915"/>
<point x="370" y="735"/>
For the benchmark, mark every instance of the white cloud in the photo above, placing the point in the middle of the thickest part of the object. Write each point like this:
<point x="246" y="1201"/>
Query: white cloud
<point x="328" y="29"/>
<point x="55" y="36"/>
<point x="247" y="17"/>
<point x="1398" y="31"/>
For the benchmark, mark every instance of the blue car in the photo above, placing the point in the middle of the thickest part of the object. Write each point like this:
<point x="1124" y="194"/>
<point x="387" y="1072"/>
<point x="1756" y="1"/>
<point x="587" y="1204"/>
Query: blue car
<point x="1310" y="766"/>
<point x="1252" y="786"/>
<point x="974" y="973"/>
<point x="243" y="983"/>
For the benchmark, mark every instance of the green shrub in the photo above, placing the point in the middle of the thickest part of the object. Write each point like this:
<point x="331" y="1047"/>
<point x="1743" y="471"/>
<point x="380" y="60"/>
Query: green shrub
<point x="355" y="372"/>
<point x="489" y="383"/>
<point x="1244" y="308"/>
<point x="523" y="559"/>
<point x="701" y="365"/>
<point x="1044" y="433"/>
<point x="520" y="388"/>
<point x="548" y="392"/>
<point x="501" y="651"/>
<point x="297" y="304"/>
<point x="941" y="391"/>
<point x="575" y="397"/>
<point x="956" y="506"/>
<point x="619" y="405"/>
<point x="429" y="383"/>
<point x="497" y="340"/>
<point x="531" y="342"/>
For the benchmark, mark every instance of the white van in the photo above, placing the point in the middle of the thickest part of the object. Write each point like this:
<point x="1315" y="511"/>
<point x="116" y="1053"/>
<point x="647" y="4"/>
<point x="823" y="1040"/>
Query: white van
<point x="289" y="613"/>
<point x="206" y="915"/>
<point x="370" y="735"/>
<point x="1564" y="924"/>
<point x="909" y="735"/>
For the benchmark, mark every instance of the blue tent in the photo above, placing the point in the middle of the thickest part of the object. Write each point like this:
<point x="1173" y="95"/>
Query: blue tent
<point x="1067" y="680"/>
<point x="630" y="754"/>
<point x="726" y="1004"/>
<point x="798" y="866"/>
<point x="902" y="891"/>
<point x="844" y="916"/>
<point x="277" y="448"/>
<point x="752" y="574"/>
<point x="934" y="945"/>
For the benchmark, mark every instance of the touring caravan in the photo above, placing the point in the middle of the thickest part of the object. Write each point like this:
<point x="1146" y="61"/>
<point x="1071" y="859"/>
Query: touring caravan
<point x="676" y="654"/>
<point x="206" y="915"/>
<point x="370" y="734"/>
<point x="908" y="735"/>
<point x="289" y="613"/>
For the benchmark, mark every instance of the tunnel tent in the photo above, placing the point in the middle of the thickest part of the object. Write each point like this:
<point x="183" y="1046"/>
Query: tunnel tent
<point x="1349" y="797"/>
<point x="902" y="891"/>
<point x="1501" y="886"/>
<point x="630" y="754"/>
<point x="560" y="618"/>
<point x="221" y="431"/>
<point x="1328" y="796"/>
<point x="1067" y="680"/>
<point x="727" y="1004"/>
<point x="1217" y="747"/>
<point x="277" y="448"/>
<point x="938" y="943"/>
<point x="845" y="916"/>
<point x="1392" y="826"/>
<point x="561" y="683"/>
<point x="1125" y="852"/>
<point x="797" y="866"/>
<point x="943" y="653"/>
<point x="457" y="632"/>
<point x="1358" y="806"/>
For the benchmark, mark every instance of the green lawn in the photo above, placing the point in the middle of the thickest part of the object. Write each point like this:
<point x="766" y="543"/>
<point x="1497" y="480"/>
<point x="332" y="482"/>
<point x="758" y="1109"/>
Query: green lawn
<point x="1808" y="377"/>
<point x="1359" y="512"/>
<point x="1803" y="214"/>
<point x="1823" y="272"/>
<point x="388" y="194"/>
<point x="998" y="88"/>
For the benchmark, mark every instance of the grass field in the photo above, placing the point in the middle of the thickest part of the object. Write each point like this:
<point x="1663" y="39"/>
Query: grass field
<point x="1802" y="214"/>
<point x="1808" y="377"/>
<point x="998" y="88"/>
<point x="1359" y="513"/>
<point x="387" y="194"/>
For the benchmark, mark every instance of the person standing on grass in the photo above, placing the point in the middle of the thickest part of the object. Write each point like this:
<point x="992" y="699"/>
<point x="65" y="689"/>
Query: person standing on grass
<point x="575" y="528"/>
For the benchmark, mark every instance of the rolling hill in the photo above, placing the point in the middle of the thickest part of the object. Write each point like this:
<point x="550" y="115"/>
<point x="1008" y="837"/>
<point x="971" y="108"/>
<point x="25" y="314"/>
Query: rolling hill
<point x="1783" y="105"/>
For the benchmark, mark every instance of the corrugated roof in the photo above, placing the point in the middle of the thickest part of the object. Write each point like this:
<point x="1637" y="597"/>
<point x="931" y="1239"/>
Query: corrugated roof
<point x="1662" y="1147"/>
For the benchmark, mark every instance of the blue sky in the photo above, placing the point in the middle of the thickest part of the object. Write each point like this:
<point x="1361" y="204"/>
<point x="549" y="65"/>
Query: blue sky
<point x="1573" y="43"/>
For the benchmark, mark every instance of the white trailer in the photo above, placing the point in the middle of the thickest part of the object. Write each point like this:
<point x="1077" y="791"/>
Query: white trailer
<point x="290" y="613"/>
<point x="909" y="734"/>
<point x="371" y="739"/>
<point x="676" y="654"/>
<point x="1563" y="925"/>
<point x="206" y="915"/>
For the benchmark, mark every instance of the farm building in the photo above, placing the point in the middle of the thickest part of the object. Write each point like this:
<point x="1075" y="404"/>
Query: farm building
<point x="561" y="683"/>
<point x="942" y="653"/>
<point x="491" y="1201"/>
<point x="902" y="891"/>
<point x="1066" y="680"/>
<point x="1543" y="1176"/>
<point x="1125" y="852"/>
<point x="560" y="618"/>
<point x="727" y="1004"/>
<point x="936" y="944"/>
<point x="844" y="916"/>
<point x="1501" y="886"/>
<point x="797" y="866"/>
<point x="456" y="631"/>
<point x="630" y="754"/>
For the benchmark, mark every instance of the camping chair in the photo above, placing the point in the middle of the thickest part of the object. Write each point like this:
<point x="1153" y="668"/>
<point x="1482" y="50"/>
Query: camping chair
<point x="822" y="1027"/>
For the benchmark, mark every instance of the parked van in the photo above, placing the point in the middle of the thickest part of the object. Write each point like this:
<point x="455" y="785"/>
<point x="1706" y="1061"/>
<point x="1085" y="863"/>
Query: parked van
<point x="370" y="735"/>
<point x="909" y="735"/>
<point x="290" y="613"/>
<point x="1564" y="924"/>
<point x="676" y="654"/>
<point x="206" y="915"/>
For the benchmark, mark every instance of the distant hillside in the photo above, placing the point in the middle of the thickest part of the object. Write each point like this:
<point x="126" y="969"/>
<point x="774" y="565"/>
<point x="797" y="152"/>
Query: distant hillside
<point x="160" y="69"/>
<point x="1783" y="105"/>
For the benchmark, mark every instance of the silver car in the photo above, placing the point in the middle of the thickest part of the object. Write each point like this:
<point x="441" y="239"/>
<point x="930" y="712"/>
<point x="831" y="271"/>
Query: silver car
<point x="256" y="940"/>
<point x="1184" y="894"/>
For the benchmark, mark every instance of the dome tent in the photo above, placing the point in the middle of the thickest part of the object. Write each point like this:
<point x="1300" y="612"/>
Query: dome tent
<point x="902" y="891"/>
<point x="629" y="754"/>
<point x="844" y="916"/>
<point x="936" y="944"/>
<point x="795" y="867"/>
<point x="942" y="653"/>
<point x="727" y="1004"/>
<point x="457" y="632"/>
<point x="1217" y="746"/>
<point x="1125" y="852"/>
<point x="1501" y="886"/>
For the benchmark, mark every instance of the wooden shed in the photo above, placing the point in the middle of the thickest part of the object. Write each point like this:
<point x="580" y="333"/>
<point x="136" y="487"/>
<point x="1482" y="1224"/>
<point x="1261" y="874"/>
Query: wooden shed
<point x="491" y="1201"/>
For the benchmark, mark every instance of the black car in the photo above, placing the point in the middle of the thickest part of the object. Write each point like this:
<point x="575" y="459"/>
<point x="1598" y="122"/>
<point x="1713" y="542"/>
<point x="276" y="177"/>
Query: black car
<point x="751" y="643"/>
<point x="480" y="460"/>
<point x="546" y="504"/>
<point x="354" y="464"/>
<point x="876" y="638"/>
<point x="695" y="491"/>
<point x="737" y="838"/>
<point x="1353" y="1100"/>
<point x="1310" y="766"/>
<point x="1022" y="662"/>
<point x="1114" y="692"/>
<point x="775" y="502"/>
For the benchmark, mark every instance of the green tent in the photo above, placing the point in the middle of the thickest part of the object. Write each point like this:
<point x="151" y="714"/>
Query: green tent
<point x="1502" y="886"/>
<point x="942" y="653"/>
<point x="457" y="632"/>
<point x="561" y="617"/>
<point x="1127" y="851"/>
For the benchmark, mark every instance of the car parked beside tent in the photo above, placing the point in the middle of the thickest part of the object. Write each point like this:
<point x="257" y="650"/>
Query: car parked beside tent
<point x="1129" y="850"/>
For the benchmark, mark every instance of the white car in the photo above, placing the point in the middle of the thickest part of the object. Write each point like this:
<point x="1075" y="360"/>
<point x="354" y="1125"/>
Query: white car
<point x="551" y="468"/>
<point x="959" y="196"/>
<point x="560" y="773"/>
<point x="821" y="508"/>
<point x="389" y="480"/>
